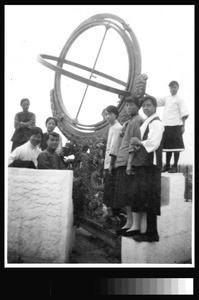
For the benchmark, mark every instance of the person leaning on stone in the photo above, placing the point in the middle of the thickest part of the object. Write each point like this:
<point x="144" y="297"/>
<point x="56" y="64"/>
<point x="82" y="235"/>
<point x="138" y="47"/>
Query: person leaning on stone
<point x="24" y="121"/>
<point x="175" y="114"/>
<point x="147" y="163"/>
<point x="49" y="159"/>
<point x="25" y="156"/>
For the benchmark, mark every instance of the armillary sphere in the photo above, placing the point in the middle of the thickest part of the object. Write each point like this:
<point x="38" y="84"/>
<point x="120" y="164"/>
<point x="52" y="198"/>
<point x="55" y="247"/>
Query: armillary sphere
<point x="66" y="123"/>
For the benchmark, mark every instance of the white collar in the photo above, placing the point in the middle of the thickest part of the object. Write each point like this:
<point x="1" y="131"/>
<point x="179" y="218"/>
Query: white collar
<point x="151" y="117"/>
<point x="32" y="146"/>
<point x="145" y="124"/>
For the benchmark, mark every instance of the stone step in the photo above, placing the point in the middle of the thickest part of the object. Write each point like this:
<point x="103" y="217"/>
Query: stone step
<point x="174" y="227"/>
<point x="171" y="249"/>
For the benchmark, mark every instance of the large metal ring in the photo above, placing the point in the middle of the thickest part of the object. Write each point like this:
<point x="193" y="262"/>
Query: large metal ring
<point x="66" y="123"/>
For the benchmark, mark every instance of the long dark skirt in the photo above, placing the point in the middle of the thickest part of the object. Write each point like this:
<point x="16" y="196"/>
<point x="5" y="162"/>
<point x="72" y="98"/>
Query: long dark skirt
<point x="172" y="139"/>
<point x="123" y="186"/>
<point x="109" y="189"/>
<point x="146" y="191"/>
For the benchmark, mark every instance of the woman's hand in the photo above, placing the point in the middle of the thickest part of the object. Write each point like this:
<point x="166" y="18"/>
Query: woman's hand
<point x="129" y="170"/>
<point x="182" y="129"/>
<point x="110" y="170"/>
<point x="135" y="141"/>
<point x="21" y="124"/>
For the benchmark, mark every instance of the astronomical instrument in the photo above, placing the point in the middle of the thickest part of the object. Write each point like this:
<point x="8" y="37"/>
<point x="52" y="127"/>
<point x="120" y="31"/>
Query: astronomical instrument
<point x="135" y="84"/>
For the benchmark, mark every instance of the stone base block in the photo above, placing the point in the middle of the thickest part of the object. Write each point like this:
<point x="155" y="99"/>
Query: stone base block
<point x="172" y="188"/>
<point x="171" y="221"/>
<point x="175" y="220"/>
<point x="169" y="250"/>
<point x="40" y="215"/>
<point x="174" y="227"/>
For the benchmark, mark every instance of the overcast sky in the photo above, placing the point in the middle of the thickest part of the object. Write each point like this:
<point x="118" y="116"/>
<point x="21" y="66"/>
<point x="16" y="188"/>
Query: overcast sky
<point x="165" y="34"/>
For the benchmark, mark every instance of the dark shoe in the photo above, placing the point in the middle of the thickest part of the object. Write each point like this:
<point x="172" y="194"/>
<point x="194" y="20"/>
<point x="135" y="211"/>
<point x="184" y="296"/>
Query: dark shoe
<point x="121" y="231"/>
<point x="143" y="237"/>
<point x="131" y="233"/>
<point x="166" y="168"/>
<point x="173" y="170"/>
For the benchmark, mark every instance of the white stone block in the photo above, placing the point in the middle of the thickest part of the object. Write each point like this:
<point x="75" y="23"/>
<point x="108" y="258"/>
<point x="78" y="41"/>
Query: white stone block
<point x="40" y="215"/>
<point x="174" y="227"/>
<point x="173" y="221"/>
<point x="169" y="250"/>
<point x="172" y="196"/>
<point x="172" y="188"/>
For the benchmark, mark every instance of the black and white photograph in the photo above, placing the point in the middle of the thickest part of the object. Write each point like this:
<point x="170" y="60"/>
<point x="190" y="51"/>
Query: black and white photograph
<point x="99" y="136"/>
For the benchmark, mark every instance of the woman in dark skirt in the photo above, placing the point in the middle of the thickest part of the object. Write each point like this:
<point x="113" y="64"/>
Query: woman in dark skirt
<point x="174" y="117"/>
<point x="124" y="178"/>
<point x="147" y="163"/>
<point x="23" y="123"/>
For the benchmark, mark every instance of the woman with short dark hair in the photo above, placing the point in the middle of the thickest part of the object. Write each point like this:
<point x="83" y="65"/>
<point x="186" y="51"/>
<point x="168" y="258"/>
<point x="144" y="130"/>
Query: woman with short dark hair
<point x="25" y="156"/>
<point x="147" y="163"/>
<point x="24" y="121"/>
<point x="51" y="124"/>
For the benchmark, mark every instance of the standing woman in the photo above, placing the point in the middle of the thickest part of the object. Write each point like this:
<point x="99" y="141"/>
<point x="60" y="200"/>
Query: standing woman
<point x="24" y="121"/>
<point x="112" y="147"/>
<point x="147" y="163"/>
<point x="124" y="178"/>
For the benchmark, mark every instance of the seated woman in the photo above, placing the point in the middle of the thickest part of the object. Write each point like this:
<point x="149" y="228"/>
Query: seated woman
<point x="23" y="123"/>
<point x="49" y="159"/>
<point x="147" y="163"/>
<point x="51" y="123"/>
<point x="25" y="156"/>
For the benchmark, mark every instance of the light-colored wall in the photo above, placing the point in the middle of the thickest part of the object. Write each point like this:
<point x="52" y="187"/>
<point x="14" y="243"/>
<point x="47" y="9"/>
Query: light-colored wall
<point x="40" y="215"/>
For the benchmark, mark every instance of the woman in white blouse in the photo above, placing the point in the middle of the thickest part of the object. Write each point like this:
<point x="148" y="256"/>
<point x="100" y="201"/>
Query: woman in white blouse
<point x="147" y="165"/>
<point x="174" y="117"/>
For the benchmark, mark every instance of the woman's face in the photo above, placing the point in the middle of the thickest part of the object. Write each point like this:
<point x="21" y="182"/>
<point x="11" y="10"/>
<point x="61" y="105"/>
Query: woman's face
<point x="35" y="139"/>
<point x="50" y="125"/>
<point x="53" y="142"/>
<point x="110" y="117"/>
<point x="131" y="108"/>
<point x="25" y="105"/>
<point x="148" y="108"/>
<point x="174" y="89"/>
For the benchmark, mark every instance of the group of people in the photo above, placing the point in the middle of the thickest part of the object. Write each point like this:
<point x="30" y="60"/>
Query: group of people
<point x="31" y="147"/>
<point x="133" y="156"/>
<point x="133" y="161"/>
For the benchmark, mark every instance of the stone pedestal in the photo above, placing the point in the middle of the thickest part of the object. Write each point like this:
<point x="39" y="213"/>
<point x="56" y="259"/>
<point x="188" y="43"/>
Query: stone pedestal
<point x="40" y="215"/>
<point x="174" y="227"/>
